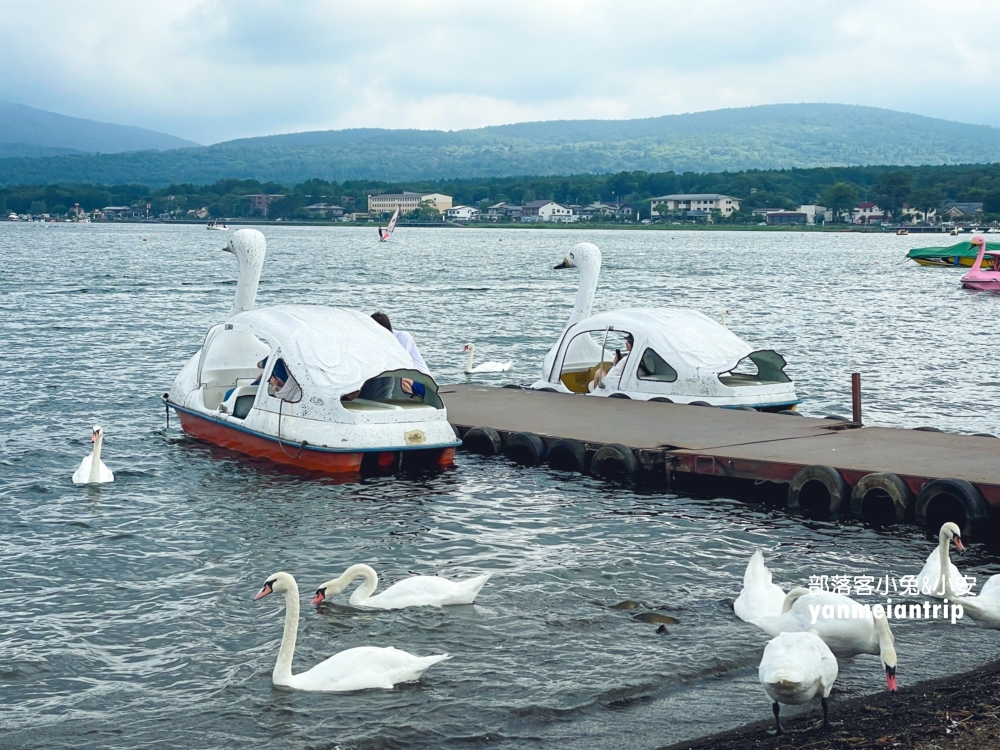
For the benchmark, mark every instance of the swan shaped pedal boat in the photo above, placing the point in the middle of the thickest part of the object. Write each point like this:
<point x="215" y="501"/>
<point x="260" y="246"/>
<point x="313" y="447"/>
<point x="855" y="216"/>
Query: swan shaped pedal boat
<point x="677" y="354"/>
<point x="308" y="385"/>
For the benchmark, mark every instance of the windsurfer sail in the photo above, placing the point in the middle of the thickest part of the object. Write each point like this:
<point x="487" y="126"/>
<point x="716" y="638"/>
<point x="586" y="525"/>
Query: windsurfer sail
<point x="385" y="234"/>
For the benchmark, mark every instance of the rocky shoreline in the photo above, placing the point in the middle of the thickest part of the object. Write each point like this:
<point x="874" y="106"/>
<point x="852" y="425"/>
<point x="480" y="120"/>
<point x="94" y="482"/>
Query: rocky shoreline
<point x="961" y="712"/>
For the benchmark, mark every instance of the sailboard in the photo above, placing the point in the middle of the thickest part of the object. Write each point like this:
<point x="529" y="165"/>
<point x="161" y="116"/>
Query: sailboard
<point x="391" y="226"/>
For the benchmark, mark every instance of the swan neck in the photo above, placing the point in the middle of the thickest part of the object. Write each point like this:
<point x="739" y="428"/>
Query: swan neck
<point x="368" y="585"/>
<point x="95" y="460"/>
<point x="584" y="304"/>
<point x="468" y="358"/>
<point x="249" y="247"/>
<point x="283" y="668"/>
<point x="943" y="548"/>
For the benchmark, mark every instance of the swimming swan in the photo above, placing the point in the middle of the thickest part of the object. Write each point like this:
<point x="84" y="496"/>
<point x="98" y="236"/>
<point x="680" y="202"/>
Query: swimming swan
<point x="795" y="668"/>
<point x="360" y="668"/>
<point x="929" y="578"/>
<point x="984" y="609"/>
<point x="418" y="591"/>
<point x="759" y="597"/>
<point x="847" y="627"/>
<point x="470" y="349"/>
<point x="92" y="469"/>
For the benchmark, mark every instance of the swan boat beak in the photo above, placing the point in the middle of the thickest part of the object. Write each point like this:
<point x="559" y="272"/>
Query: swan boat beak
<point x="564" y="264"/>
<point x="890" y="678"/>
<point x="266" y="589"/>
<point x="320" y="596"/>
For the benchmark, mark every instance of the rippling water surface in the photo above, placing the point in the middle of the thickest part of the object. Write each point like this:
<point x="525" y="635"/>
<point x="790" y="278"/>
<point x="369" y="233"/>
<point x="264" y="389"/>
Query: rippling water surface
<point x="125" y="612"/>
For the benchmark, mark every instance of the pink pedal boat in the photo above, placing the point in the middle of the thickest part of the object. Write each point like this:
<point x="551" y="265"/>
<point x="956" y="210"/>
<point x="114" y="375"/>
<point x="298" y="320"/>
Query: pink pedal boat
<point x="977" y="278"/>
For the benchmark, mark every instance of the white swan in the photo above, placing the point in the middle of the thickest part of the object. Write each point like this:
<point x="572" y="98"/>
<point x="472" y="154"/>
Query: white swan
<point x="795" y="668"/>
<point x="92" y="469"/>
<point x="984" y="609"/>
<point x="418" y="591"/>
<point x="929" y="579"/>
<point x="360" y="668"/>
<point x="759" y="597"/>
<point x="847" y="627"/>
<point x="470" y="349"/>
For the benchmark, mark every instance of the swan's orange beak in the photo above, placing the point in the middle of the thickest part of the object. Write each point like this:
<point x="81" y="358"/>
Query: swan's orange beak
<point x="320" y="596"/>
<point x="264" y="591"/>
<point x="958" y="544"/>
<point x="93" y="438"/>
<point x="890" y="679"/>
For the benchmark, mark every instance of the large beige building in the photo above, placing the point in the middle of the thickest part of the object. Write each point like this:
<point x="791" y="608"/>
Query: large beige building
<point x="697" y="202"/>
<point x="387" y="202"/>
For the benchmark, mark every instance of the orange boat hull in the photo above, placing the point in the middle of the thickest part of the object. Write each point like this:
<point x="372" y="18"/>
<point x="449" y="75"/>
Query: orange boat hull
<point x="309" y="459"/>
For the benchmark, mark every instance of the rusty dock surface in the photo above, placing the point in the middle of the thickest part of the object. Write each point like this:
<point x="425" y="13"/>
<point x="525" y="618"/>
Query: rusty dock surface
<point x="674" y="441"/>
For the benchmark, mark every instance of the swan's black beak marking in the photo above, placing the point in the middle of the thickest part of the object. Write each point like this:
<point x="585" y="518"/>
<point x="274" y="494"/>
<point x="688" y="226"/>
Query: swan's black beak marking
<point x="266" y="589"/>
<point x="320" y="596"/>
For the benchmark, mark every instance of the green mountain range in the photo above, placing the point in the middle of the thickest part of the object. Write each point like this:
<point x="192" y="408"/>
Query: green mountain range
<point x="29" y="132"/>
<point x="766" y="137"/>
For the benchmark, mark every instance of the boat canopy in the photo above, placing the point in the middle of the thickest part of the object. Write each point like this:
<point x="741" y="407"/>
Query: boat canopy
<point x="960" y="250"/>
<point x="326" y="348"/>
<point x="685" y="338"/>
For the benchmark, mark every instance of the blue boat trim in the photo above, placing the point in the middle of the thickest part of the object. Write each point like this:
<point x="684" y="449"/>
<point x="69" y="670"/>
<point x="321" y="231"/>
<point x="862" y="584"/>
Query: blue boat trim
<point x="308" y="446"/>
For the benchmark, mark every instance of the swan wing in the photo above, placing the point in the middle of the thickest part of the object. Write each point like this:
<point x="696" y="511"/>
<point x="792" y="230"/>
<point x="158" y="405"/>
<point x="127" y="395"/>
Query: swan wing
<point x="428" y="591"/>
<point x="365" y="668"/>
<point x="759" y="597"/>
<point x="491" y="367"/>
<point x="104" y="472"/>
<point x="991" y="589"/>
<point x="82" y="474"/>
<point x="847" y="630"/>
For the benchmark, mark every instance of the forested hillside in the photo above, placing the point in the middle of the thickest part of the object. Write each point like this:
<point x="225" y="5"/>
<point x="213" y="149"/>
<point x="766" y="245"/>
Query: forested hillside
<point x="767" y="137"/>
<point x="29" y="132"/>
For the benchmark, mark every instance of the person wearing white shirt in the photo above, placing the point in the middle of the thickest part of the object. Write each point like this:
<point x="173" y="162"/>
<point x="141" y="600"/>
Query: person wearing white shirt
<point x="406" y="341"/>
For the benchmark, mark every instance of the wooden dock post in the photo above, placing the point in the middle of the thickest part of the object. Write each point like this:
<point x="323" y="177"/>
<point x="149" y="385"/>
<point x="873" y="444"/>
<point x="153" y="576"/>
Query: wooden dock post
<point x="856" y="398"/>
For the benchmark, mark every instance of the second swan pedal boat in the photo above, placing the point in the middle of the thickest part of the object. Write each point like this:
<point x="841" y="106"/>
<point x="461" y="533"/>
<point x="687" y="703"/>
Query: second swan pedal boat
<point x="305" y="407"/>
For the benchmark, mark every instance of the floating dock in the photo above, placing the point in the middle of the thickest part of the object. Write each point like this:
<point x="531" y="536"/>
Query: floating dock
<point x="829" y="466"/>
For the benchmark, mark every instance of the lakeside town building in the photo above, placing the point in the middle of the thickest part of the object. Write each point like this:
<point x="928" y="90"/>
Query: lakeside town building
<point x="462" y="213"/>
<point x="694" y="205"/>
<point x="386" y="203"/>
<point x="549" y="211"/>
<point x="259" y="202"/>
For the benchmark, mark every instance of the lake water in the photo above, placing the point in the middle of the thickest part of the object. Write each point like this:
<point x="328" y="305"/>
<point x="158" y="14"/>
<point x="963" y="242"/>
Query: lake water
<point x="126" y="617"/>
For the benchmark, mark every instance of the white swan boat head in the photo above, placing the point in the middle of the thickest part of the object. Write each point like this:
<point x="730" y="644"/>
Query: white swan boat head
<point x="328" y="392"/>
<point x="676" y="354"/>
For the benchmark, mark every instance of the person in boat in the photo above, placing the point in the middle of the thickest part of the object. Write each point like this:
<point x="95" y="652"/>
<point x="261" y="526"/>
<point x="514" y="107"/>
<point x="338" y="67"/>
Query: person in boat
<point x="380" y="232"/>
<point x="617" y="366"/>
<point x="282" y="385"/>
<point x="405" y="340"/>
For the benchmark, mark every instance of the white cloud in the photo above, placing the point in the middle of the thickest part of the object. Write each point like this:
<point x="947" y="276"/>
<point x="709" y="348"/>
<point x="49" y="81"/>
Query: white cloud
<point x="211" y="70"/>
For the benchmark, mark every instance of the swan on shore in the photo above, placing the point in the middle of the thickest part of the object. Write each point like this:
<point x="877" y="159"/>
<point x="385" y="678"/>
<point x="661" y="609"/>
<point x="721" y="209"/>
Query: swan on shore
<point x="929" y="579"/>
<point x="795" y="668"/>
<point x="470" y="350"/>
<point x="846" y="626"/>
<point x="418" y="591"/>
<point x="759" y="597"/>
<point x="361" y="668"/>
<point x="92" y="469"/>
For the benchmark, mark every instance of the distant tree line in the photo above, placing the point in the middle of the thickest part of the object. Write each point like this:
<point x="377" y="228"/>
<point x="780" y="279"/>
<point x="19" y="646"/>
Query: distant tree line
<point x="837" y="188"/>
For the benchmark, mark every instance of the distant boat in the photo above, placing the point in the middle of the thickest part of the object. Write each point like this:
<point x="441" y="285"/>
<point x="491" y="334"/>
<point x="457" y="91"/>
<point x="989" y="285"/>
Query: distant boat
<point x="962" y="254"/>
<point x="216" y="226"/>
<point x="384" y="234"/>
<point x="902" y="232"/>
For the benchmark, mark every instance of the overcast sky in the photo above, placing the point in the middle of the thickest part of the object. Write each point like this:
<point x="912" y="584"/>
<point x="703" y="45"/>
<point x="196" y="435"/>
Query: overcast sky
<point x="211" y="70"/>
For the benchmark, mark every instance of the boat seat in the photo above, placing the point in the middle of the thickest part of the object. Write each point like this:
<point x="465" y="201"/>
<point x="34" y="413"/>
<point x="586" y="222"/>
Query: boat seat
<point x="239" y="401"/>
